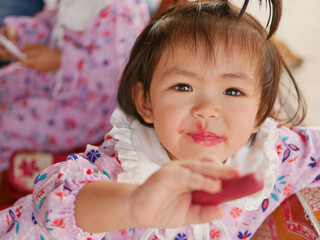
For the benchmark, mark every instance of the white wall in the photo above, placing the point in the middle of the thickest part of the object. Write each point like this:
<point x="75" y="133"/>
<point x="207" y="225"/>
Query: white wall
<point x="300" y="30"/>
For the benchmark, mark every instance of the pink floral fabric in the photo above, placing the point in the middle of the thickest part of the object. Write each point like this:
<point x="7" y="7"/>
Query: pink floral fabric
<point x="39" y="114"/>
<point x="49" y="211"/>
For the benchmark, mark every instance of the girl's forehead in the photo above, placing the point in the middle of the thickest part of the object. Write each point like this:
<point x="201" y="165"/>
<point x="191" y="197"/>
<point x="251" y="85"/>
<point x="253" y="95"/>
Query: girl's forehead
<point x="201" y="62"/>
<point x="201" y="55"/>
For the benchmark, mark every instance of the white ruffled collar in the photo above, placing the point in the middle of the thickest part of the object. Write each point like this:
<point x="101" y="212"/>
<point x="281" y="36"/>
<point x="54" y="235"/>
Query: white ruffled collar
<point x="139" y="149"/>
<point x="141" y="154"/>
<point x="258" y="156"/>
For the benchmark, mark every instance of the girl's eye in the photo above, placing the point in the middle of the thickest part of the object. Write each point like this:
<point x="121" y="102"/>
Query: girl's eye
<point x="183" y="87"/>
<point x="232" y="92"/>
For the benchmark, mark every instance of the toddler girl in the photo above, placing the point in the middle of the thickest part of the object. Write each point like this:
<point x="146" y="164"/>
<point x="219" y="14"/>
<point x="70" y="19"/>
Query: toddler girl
<point x="196" y="99"/>
<point x="62" y="94"/>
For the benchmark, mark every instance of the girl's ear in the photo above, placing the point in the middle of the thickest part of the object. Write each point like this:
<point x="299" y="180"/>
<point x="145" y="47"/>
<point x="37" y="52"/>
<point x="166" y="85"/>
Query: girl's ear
<point x="143" y="105"/>
<point x="256" y="127"/>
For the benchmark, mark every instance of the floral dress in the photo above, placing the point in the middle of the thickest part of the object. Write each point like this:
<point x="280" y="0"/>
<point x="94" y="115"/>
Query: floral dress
<point x="289" y="158"/>
<point x="67" y="108"/>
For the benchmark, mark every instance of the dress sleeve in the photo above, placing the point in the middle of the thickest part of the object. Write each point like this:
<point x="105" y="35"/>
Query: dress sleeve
<point x="299" y="167"/>
<point x="57" y="187"/>
<point x="299" y="154"/>
<point x="35" y="29"/>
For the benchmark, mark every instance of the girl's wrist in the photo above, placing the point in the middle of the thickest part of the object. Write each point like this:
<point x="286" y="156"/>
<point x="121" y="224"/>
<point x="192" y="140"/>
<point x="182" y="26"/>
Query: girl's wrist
<point x="97" y="201"/>
<point x="130" y="209"/>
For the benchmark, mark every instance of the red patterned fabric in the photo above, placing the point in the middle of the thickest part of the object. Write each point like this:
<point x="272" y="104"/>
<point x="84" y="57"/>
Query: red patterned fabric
<point x="296" y="218"/>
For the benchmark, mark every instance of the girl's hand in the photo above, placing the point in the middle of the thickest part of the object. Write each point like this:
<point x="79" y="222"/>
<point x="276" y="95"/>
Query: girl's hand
<point x="165" y="199"/>
<point x="11" y="34"/>
<point x="41" y="58"/>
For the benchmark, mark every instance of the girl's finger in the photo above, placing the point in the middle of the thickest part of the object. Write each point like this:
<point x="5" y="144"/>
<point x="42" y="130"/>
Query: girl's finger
<point x="178" y="179"/>
<point x="210" y="169"/>
<point x="181" y="176"/>
<point x="200" y="182"/>
<point x="29" y="62"/>
<point x="202" y="214"/>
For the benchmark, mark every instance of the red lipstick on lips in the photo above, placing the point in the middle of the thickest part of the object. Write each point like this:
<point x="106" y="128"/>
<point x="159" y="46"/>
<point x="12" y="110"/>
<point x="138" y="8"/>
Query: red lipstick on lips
<point x="205" y="138"/>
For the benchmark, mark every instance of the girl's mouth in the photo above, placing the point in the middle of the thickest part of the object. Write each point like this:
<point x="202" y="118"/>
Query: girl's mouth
<point x="206" y="138"/>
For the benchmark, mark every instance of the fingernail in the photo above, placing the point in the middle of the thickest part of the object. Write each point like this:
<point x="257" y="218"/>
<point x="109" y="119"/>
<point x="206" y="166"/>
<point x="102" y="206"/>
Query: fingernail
<point x="232" y="173"/>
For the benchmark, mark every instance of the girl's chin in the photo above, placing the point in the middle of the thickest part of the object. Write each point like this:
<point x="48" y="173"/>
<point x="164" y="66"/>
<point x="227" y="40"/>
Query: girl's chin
<point x="198" y="151"/>
<point x="201" y="156"/>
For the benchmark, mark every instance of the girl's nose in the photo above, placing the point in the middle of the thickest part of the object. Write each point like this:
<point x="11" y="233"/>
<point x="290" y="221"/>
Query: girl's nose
<point x="205" y="110"/>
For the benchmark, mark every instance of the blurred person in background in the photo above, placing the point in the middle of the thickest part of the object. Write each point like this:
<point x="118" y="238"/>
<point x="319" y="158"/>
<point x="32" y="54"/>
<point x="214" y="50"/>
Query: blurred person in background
<point x="60" y="96"/>
<point x="18" y="8"/>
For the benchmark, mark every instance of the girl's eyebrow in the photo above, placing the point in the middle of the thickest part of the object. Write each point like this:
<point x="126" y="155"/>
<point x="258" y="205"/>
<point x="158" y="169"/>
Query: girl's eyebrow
<point x="181" y="71"/>
<point x="238" y="75"/>
<point x="232" y="75"/>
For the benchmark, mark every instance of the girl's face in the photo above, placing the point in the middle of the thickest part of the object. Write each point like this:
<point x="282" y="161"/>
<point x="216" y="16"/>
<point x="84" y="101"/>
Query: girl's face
<point x="201" y="108"/>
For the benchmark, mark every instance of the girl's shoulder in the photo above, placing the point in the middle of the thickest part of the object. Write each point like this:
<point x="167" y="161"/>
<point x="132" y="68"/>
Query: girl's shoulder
<point x="297" y="143"/>
<point x="301" y="134"/>
<point x="298" y="151"/>
<point x="104" y="157"/>
<point x="108" y="146"/>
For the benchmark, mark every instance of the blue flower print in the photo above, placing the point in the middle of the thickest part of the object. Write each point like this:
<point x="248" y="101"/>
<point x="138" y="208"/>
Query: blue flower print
<point x="33" y="218"/>
<point x="313" y="162"/>
<point x="93" y="155"/>
<point x="244" y="235"/>
<point x="280" y="180"/>
<point x="72" y="156"/>
<point x="39" y="178"/>
<point x="317" y="178"/>
<point x="290" y="149"/>
<point x="181" y="236"/>
<point x="265" y="204"/>
<point x="13" y="223"/>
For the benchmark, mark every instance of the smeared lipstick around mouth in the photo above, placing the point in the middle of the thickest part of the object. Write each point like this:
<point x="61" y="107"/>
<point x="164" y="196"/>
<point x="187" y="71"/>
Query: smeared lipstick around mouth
<point x="205" y="138"/>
